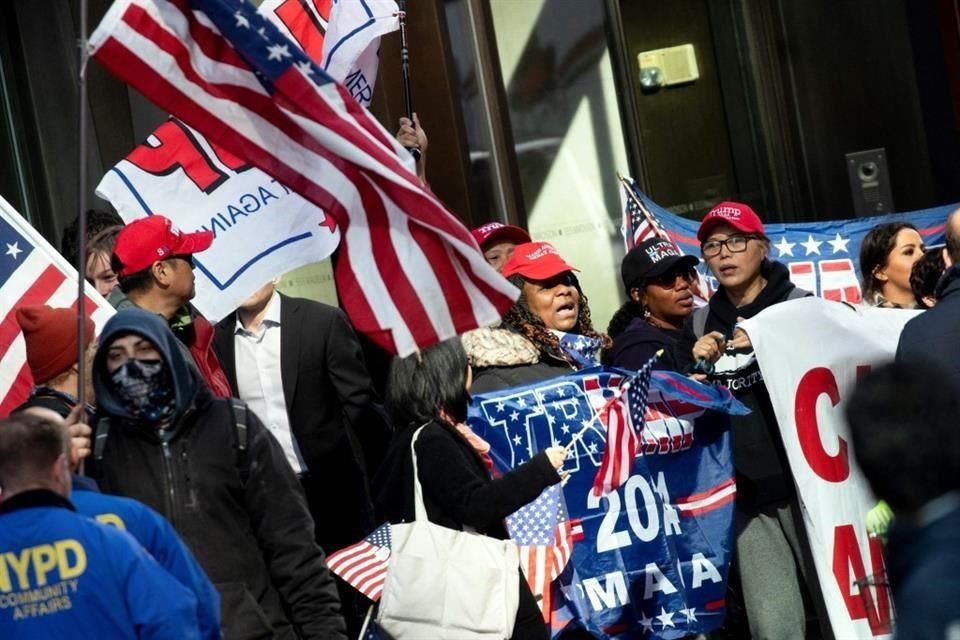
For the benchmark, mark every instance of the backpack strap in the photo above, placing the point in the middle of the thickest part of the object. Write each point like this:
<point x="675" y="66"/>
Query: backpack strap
<point x="238" y="410"/>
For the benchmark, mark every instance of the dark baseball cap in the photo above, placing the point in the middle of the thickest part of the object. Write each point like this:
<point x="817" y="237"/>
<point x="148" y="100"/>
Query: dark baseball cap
<point x="653" y="258"/>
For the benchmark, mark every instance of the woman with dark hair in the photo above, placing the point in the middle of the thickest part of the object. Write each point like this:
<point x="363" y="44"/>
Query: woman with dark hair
<point x="546" y="333"/>
<point x="887" y="255"/>
<point x="658" y="281"/>
<point x="431" y="389"/>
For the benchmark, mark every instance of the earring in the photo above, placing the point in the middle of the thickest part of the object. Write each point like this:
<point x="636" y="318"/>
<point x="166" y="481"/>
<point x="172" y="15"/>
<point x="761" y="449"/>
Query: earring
<point x="646" y="313"/>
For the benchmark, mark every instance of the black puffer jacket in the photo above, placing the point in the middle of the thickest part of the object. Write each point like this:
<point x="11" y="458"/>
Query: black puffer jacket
<point x="243" y="514"/>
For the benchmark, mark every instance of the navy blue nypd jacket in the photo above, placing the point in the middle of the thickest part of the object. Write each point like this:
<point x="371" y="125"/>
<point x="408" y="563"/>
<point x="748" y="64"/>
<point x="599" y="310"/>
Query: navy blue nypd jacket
<point x="62" y="575"/>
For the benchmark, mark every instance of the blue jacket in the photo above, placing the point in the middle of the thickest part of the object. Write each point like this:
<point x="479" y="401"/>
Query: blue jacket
<point x="158" y="537"/>
<point x="63" y="575"/>
<point x="934" y="335"/>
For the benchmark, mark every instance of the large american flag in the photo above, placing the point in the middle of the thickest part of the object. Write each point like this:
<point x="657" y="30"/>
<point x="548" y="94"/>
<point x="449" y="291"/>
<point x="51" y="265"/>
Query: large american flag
<point x="409" y="274"/>
<point x="623" y="417"/>
<point x="31" y="272"/>
<point x="545" y="537"/>
<point x="364" y="565"/>
<point x="303" y="21"/>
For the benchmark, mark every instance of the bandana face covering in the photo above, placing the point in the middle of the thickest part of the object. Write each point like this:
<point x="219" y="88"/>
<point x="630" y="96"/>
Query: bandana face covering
<point x="145" y="389"/>
<point x="583" y="350"/>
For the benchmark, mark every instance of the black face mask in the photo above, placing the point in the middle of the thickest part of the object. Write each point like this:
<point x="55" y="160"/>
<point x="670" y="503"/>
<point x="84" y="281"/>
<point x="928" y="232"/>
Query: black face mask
<point x="145" y="389"/>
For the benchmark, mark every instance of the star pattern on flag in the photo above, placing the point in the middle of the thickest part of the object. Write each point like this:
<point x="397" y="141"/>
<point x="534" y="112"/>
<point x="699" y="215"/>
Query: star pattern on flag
<point x="839" y="243"/>
<point x="689" y="614"/>
<point x="278" y="52"/>
<point x="242" y="20"/>
<point x="812" y="246"/>
<point x="785" y="248"/>
<point x="666" y="618"/>
<point x="13" y="249"/>
<point x="306" y="66"/>
<point x="646" y="623"/>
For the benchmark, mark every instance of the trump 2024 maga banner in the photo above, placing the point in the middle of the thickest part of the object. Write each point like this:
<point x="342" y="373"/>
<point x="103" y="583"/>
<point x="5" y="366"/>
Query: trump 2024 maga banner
<point x="650" y="559"/>
<point x="810" y="353"/>
<point x="822" y="256"/>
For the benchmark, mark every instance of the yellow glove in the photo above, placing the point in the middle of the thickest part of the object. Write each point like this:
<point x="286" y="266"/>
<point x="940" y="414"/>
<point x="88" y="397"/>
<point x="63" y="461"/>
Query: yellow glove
<point x="879" y="519"/>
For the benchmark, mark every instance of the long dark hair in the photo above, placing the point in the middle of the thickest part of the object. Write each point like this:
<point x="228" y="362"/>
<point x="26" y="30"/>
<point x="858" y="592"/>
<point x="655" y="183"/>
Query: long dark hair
<point x="528" y="324"/>
<point x="874" y="252"/>
<point x="421" y="386"/>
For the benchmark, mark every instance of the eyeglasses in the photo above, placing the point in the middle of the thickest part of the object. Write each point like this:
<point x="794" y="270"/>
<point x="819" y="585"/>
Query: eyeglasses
<point x="669" y="279"/>
<point x="734" y="244"/>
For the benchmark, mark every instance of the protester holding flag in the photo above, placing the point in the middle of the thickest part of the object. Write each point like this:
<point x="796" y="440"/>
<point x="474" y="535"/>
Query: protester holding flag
<point x="412" y="136"/>
<point x="771" y="550"/>
<point x="546" y="333"/>
<point x="887" y="256"/>
<point x="432" y="388"/>
<point x="658" y="281"/>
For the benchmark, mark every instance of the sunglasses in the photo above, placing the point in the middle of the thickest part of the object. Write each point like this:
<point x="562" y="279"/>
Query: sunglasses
<point x="669" y="279"/>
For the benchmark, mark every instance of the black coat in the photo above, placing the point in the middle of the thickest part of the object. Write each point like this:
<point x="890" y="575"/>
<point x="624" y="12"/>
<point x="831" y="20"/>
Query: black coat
<point x="934" y="335"/>
<point x="640" y="341"/>
<point x="457" y="487"/>
<point x="243" y="515"/>
<point x="325" y="382"/>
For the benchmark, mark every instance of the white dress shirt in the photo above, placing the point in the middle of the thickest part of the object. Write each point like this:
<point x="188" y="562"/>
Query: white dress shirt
<point x="259" y="381"/>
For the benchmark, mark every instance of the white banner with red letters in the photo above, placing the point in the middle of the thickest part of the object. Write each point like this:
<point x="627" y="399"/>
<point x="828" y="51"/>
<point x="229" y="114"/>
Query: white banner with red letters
<point x="811" y="352"/>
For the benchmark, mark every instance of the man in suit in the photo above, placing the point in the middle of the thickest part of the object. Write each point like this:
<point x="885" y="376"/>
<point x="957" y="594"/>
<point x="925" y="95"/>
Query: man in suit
<point x="298" y="364"/>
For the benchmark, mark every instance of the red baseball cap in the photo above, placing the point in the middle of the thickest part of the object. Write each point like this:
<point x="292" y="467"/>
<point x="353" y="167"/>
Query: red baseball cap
<point x="494" y="232"/>
<point x="147" y="240"/>
<point x="736" y="214"/>
<point x="535" y="261"/>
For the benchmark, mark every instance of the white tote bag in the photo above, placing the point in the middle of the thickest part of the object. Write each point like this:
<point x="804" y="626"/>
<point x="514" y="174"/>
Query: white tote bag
<point x="444" y="584"/>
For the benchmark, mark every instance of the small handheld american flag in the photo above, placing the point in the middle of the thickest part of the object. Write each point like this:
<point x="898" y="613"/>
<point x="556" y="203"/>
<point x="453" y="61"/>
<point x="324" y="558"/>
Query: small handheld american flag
<point x="623" y="417"/>
<point x="364" y="565"/>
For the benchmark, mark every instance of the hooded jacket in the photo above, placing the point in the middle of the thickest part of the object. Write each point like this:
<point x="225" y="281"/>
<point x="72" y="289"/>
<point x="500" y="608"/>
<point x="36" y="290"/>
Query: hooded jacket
<point x="241" y="512"/>
<point x="763" y="473"/>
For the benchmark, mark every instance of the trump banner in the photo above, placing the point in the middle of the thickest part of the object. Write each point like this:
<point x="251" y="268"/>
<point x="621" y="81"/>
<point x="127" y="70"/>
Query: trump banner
<point x="822" y="256"/>
<point x="810" y="353"/>
<point x="261" y="228"/>
<point x="649" y="559"/>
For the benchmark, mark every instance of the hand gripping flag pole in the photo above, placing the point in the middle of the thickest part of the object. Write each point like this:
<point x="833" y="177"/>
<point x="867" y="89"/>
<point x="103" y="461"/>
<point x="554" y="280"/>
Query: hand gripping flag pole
<point x="405" y="70"/>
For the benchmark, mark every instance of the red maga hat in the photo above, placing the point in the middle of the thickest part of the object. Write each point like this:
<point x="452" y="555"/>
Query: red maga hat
<point x="147" y="240"/>
<point x="536" y="261"/>
<point x="494" y="232"/>
<point x="738" y="215"/>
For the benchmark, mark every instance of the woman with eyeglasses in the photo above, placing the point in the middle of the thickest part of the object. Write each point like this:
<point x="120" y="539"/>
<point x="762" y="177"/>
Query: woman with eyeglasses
<point x="769" y="529"/>
<point x="659" y="281"/>
<point x="887" y="256"/>
<point x="546" y="333"/>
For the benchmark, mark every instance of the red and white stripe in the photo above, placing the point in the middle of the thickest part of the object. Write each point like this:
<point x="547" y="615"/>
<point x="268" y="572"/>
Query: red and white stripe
<point x="362" y="565"/>
<point x="620" y="450"/>
<point x="544" y="563"/>
<point x="43" y="278"/>
<point x="708" y="500"/>
<point x="303" y="21"/>
<point x="409" y="274"/>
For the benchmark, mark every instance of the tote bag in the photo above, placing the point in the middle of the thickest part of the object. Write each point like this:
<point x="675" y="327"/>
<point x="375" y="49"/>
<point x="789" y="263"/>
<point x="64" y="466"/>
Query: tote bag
<point x="444" y="584"/>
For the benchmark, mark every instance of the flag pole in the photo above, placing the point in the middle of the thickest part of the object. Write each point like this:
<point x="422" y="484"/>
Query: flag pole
<point x="82" y="203"/>
<point x="405" y="70"/>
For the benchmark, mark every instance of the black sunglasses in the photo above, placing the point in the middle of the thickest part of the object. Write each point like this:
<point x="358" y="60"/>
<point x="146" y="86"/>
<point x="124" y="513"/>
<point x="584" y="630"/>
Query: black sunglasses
<point x="669" y="279"/>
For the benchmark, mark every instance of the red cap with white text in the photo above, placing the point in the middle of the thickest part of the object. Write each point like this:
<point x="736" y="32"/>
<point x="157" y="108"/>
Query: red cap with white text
<point x="738" y="215"/>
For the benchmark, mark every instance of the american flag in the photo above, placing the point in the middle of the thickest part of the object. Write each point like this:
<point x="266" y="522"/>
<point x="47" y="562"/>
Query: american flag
<point x="623" y="417"/>
<point x="31" y="272"/>
<point x="408" y="274"/>
<point x="364" y="565"/>
<point x="303" y="21"/>
<point x="639" y="223"/>
<point x="545" y="536"/>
